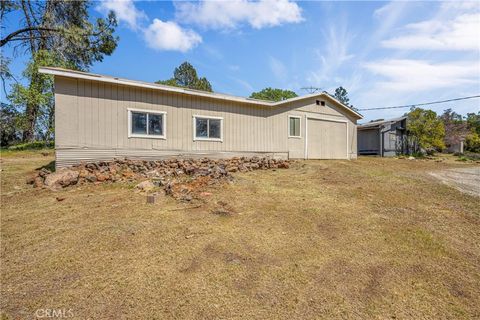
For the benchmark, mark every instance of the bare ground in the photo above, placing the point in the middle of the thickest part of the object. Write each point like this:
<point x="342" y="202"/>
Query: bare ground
<point x="463" y="179"/>
<point x="372" y="239"/>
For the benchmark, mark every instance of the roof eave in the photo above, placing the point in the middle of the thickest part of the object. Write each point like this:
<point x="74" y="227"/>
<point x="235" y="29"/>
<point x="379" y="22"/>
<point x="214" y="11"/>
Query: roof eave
<point x="95" y="77"/>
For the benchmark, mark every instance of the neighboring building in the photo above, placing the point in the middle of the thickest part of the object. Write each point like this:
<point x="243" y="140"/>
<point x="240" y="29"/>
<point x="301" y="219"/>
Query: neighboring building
<point x="456" y="147"/>
<point x="385" y="138"/>
<point x="100" y="118"/>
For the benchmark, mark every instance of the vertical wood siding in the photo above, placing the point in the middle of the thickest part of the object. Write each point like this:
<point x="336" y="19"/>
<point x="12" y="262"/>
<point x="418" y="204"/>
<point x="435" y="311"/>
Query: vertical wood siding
<point x="93" y="116"/>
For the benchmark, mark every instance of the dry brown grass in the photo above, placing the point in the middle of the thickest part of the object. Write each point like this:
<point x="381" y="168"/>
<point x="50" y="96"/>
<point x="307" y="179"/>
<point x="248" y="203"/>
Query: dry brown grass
<point x="373" y="238"/>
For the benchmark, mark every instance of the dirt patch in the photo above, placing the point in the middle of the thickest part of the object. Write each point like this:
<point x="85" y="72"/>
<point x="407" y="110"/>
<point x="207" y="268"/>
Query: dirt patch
<point x="466" y="180"/>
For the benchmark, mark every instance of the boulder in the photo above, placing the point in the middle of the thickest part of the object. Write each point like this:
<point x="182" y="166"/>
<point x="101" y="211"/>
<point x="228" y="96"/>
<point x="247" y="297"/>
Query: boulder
<point x="283" y="165"/>
<point x="91" y="178"/>
<point x="61" y="178"/>
<point x="146" y="185"/>
<point x="102" y="177"/>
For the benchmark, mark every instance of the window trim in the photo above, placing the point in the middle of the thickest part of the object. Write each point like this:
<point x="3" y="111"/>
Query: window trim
<point x="147" y="136"/>
<point x="195" y="138"/>
<point x="300" y="130"/>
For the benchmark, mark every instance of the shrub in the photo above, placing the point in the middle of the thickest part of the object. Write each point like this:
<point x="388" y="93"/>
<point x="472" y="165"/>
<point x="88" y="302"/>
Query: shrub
<point x="418" y="155"/>
<point x="34" y="145"/>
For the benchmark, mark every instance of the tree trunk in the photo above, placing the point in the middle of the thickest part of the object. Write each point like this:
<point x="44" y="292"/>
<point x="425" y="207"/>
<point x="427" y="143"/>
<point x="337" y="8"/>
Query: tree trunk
<point x="51" y="123"/>
<point x="31" y="113"/>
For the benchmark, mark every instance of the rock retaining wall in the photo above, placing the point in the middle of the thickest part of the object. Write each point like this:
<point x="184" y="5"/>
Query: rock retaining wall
<point x="161" y="170"/>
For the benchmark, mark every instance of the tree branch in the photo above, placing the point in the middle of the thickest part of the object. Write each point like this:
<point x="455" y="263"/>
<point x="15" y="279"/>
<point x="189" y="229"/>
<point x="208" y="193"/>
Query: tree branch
<point x="12" y="35"/>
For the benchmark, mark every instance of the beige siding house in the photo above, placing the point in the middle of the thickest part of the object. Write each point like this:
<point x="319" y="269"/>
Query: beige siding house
<point x="100" y="118"/>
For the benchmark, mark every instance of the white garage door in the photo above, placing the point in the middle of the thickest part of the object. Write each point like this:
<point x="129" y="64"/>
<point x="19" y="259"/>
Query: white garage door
<point x="326" y="139"/>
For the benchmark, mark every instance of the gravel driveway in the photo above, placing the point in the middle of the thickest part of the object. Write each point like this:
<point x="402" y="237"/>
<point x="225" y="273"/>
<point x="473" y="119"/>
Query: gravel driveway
<point x="464" y="179"/>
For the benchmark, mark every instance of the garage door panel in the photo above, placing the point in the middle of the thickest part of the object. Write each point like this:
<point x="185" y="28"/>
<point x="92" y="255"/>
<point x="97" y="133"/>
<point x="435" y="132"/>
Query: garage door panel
<point x="327" y="139"/>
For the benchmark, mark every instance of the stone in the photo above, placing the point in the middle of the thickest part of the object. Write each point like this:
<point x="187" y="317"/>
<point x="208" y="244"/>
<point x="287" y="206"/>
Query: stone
<point x="186" y="197"/>
<point x="44" y="172"/>
<point x="38" y="183"/>
<point x="158" y="171"/>
<point x="83" y="173"/>
<point x="61" y="178"/>
<point x="31" y="179"/>
<point x="91" y="178"/>
<point x="102" y="177"/>
<point x="146" y="185"/>
<point x="168" y="188"/>
<point x="283" y="165"/>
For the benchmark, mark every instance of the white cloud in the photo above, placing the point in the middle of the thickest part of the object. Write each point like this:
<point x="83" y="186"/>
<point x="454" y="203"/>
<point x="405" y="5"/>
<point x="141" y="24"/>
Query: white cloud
<point x="333" y="56"/>
<point x="125" y="11"/>
<point x="168" y="35"/>
<point x="419" y="75"/>
<point x="231" y="14"/>
<point x="455" y="27"/>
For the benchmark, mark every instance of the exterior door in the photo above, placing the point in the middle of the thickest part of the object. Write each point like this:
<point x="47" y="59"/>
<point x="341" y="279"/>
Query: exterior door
<point x="326" y="139"/>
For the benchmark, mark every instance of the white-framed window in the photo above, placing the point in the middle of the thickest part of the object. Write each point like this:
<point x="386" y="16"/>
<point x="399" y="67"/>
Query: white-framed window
<point x="147" y="124"/>
<point x="294" y="126"/>
<point x="207" y="128"/>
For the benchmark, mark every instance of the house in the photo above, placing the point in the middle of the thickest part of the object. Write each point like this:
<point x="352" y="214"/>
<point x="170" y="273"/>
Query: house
<point x="100" y="117"/>
<point x="385" y="138"/>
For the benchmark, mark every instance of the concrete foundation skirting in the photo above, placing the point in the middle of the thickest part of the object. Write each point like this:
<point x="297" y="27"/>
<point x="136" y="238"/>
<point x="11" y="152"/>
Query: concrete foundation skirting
<point x="65" y="157"/>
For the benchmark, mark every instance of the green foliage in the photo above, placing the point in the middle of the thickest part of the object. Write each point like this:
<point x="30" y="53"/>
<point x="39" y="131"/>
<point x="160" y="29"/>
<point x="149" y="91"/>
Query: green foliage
<point x="473" y="122"/>
<point x="185" y="76"/>
<point x="273" y="94"/>
<point x="426" y="128"/>
<point x="10" y="122"/>
<point x="57" y="33"/>
<point x="37" y="98"/>
<point x="472" y="142"/>
<point x="34" y="145"/>
<point x="341" y="94"/>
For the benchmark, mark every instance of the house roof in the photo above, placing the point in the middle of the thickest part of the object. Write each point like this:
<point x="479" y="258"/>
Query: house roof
<point x="213" y="95"/>
<point x="378" y="123"/>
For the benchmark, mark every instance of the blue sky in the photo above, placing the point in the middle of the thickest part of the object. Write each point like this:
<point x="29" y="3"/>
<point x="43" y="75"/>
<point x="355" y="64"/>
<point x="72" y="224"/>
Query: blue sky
<point x="383" y="53"/>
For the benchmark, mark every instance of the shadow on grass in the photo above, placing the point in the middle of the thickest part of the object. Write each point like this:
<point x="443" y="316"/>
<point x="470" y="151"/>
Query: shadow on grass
<point x="50" y="166"/>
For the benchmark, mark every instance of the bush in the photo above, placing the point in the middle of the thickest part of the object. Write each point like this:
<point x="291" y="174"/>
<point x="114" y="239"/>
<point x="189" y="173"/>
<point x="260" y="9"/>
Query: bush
<point x="472" y="156"/>
<point x="32" y="145"/>
<point x="418" y="155"/>
<point x="472" y="142"/>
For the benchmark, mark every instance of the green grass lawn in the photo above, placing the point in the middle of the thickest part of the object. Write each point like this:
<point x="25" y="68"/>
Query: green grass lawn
<point x="372" y="238"/>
